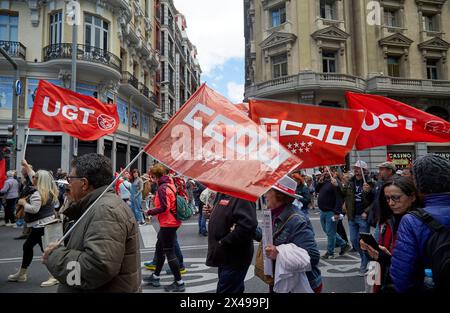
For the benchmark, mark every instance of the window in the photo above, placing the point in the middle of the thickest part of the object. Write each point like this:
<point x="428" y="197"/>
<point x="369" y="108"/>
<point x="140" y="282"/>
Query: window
<point x="328" y="9"/>
<point x="393" y="66"/>
<point x="279" y="66"/>
<point x="9" y="27"/>
<point x="329" y="61"/>
<point x="278" y="16"/>
<point x="96" y="32"/>
<point x="430" y="23"/>
<point x="391" y="18"/>
<point x="55" y="28"/>
<point x="432" y="69"/>
<point x="171" y="111"/>
<point x="170" y="20"/>
<point x="170" y="78"/>
<point x="170" y="49"/>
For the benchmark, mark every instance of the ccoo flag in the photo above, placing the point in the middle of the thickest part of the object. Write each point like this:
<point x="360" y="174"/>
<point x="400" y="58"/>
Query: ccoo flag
<point x="210" y="140"/>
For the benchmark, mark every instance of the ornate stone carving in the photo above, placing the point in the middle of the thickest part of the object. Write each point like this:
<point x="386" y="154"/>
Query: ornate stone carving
<point x="65" y="76"/>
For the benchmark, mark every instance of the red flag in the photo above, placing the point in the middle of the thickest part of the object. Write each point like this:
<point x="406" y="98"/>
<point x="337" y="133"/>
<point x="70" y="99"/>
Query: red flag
<point x="210" y="140"/>
<point x="2" y="172"/>
<point x="390" y="122"/>
<point x="57" y="109"/>
<point x="318" y="135"/>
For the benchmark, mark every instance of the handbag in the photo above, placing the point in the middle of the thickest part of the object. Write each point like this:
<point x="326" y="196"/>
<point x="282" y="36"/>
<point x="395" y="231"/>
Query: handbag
<point x="259" y="261"/>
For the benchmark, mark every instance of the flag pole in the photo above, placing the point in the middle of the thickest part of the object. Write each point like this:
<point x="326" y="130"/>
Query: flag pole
<point x="101" y="195"/>
<point x="26" y="143"/>
<point x="362" y="170"/>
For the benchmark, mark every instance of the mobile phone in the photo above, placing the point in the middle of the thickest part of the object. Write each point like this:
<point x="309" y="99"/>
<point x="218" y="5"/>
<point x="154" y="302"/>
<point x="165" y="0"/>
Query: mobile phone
<point x="370" y="240"/>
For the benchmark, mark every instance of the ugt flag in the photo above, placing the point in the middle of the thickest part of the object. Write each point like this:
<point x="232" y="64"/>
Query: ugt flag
<point x="210" y="140"/>
<point x="390" y="122"/>
<point x="318" y="135"/>
<point x="58" y="109"/>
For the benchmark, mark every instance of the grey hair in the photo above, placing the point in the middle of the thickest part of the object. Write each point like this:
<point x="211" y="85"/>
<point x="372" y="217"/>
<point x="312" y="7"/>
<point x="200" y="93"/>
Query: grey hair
<point x="10" y="174"/>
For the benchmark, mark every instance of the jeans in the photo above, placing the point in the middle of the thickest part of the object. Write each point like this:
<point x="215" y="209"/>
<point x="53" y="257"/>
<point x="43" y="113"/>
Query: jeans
<point x="330" y="227"/>
<point x="201" y="222"/>
<point x="165" y="248"/>
<point x="10" y="208"/>
<point x="231" y="280"/>
<point x="136" y="202"/>
<point x="35" y="238"/>
<point x="359" y="225"/>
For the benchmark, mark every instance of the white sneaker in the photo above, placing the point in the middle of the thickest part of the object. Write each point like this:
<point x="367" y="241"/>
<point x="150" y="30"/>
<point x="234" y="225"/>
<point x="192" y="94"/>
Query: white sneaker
<point x="10" y="224"/>
<point x="51" y="281"/>
<point x="20" y="276"/>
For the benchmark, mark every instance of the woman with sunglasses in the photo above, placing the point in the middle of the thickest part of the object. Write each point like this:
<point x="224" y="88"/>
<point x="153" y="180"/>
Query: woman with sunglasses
<point x="39" y="209"/>
<point x="397" y="197"/>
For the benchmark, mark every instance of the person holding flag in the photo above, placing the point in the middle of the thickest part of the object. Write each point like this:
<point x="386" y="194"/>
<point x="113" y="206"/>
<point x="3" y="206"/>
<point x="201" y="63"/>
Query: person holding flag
<point x="358" y="198"/>
<point x="102" y="252"/>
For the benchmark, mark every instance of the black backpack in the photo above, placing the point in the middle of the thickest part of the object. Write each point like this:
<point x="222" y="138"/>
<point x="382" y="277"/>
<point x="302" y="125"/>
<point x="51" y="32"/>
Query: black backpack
<point x="437" y="250"/>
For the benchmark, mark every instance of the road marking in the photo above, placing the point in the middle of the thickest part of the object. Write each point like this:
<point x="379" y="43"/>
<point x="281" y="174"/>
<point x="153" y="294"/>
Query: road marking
<point x="197" y="273"/>
<point x="149" y="235"/>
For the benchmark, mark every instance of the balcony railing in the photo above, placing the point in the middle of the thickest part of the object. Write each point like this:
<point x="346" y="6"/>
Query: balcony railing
<point x="400" y="84"/>
<point x="84" y="53"/>
<point x="144" y="90"/>
<point x="128" y="78"/>
<point x="14" y="49"/>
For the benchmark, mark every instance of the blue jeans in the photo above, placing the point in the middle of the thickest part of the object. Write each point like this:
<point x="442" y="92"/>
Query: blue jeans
<point x="136" y="202"/>
<point x="357" y="225"/>
<point x="330" y="227"/>
<point x="201" y="222"/>
<point x="231" y="280"/>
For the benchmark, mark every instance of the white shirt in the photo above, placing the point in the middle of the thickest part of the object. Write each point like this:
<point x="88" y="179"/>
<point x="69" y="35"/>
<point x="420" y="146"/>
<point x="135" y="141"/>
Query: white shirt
<point x="124" y="189"/>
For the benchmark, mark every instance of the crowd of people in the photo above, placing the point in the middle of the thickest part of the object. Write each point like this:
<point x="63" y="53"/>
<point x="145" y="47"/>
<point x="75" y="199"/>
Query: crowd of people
<point x="407" y="212"/>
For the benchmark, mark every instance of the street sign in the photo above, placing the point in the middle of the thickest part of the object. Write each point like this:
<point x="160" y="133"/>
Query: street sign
<point x="18" y="87"/>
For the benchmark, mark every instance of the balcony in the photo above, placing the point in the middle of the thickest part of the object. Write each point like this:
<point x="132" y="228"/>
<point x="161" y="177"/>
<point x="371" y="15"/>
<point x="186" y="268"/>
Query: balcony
<point x="147" y="93"/>
<point x="14" y="49"/>
<point x="84" y="53"/>
<point x="308" y="81"/>
<point x="128" y="78"/>
<point x="400" y="85"/>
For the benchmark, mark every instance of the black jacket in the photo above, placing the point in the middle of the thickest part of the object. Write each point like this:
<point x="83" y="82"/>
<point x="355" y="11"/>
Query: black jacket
<point x="228" y="247"/>
<point x="330" y="198"/>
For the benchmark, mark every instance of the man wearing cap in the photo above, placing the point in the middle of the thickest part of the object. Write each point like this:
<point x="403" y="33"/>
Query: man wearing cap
<point x="330" y="205"/>
<point x="358" y="202"/>
<point x="386" y="171"/>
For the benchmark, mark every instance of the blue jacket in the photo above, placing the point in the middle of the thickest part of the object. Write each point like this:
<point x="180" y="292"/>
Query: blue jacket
<point x="408" y="258"/>
<point x="299" y="231"/>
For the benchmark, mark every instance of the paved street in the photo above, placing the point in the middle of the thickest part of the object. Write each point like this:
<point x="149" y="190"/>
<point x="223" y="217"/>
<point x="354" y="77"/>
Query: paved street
<point x="339" y="275"/>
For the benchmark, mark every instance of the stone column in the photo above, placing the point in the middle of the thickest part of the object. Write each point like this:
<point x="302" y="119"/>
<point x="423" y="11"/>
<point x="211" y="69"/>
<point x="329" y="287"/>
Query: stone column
<point x="420" y="149"/>
<point x="114" y="153"/>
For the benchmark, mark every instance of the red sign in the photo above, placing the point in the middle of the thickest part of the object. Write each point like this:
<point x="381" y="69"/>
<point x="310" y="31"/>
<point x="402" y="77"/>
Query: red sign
<point x="210" y="140"/>
<point x="57" y="109"/>
<point x="391" y="122"/>
<point x="318" y="135"/>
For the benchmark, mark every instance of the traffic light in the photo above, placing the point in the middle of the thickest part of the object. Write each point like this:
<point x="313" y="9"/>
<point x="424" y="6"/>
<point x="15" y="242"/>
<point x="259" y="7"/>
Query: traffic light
<point x="6" y="152"/>
<point x="11" y="137"/>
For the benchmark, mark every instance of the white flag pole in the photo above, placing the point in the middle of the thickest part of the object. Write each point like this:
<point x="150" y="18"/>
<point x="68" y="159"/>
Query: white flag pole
<point x="362" y="170"/>
<point x="101" y="195"/>
<point x="25" y="144"/>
